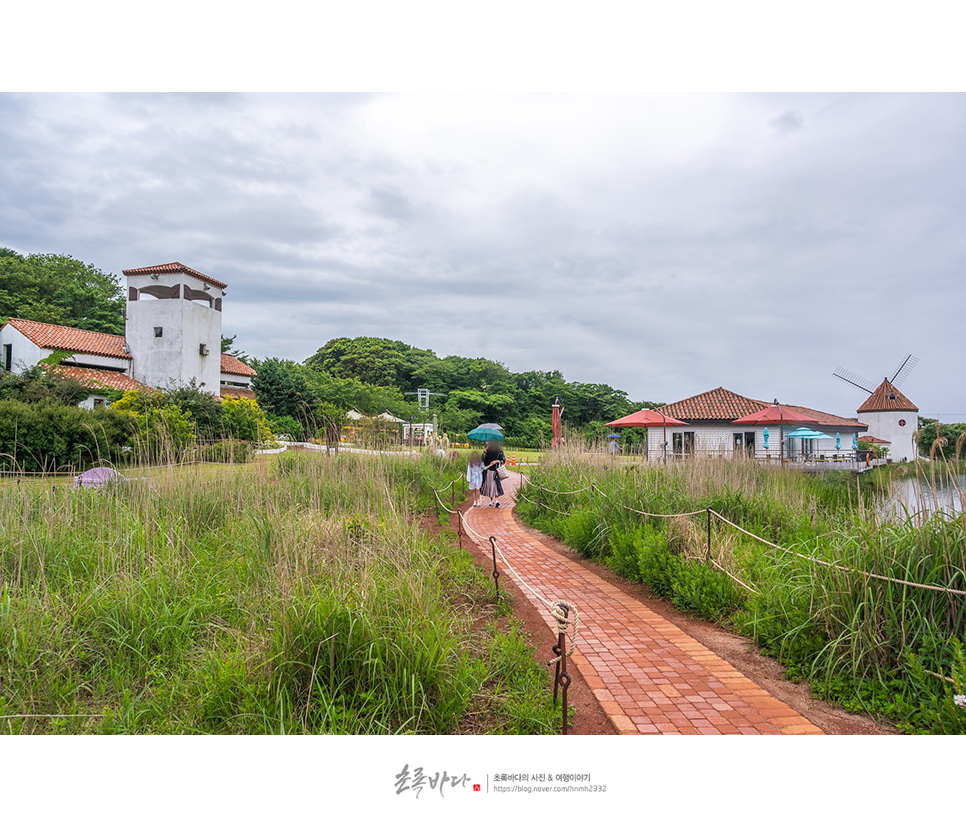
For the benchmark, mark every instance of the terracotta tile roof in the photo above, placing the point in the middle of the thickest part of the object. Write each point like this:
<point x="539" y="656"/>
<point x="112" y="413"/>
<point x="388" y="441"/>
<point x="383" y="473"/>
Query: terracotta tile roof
<point x="101" y="379"/>
<point x="173" y="268"/>
<point x="58" y="337"/>
<point x="720" y="405"/>
<point x="878" y="441"/>
<point x="233" y="365"/>
<point x="237" y="392"/>
<point x="887" y="398"/>
<point x="823" y="418"/>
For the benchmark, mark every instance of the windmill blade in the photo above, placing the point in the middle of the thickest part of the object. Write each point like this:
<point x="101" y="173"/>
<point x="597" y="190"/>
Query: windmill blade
<point x="854" y="379"/>
<point x="902" y="372"/>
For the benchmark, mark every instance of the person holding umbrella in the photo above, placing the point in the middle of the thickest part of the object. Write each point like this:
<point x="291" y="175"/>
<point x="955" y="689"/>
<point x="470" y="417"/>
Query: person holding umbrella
<point x="493" y="459"/>
<point x="613" y="438"/>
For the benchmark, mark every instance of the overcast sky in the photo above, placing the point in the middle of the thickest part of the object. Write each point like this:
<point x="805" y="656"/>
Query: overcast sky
<point x="663" y="244"/>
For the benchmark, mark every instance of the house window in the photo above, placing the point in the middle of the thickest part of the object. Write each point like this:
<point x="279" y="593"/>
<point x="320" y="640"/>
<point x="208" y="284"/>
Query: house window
<point x="158" y="332"/>
<point x="98" y="403"/>
<point x="8" y="357"/>
<point x="683" y="443"/>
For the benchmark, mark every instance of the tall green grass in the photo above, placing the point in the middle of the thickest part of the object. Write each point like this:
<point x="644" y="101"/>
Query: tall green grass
<point x="866" y="643"/>
<point x="297" y="594"/>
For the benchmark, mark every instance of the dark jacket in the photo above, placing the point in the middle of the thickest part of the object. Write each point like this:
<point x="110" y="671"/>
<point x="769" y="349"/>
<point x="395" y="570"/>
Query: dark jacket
<point x="491" y="455"/>
<point x="496" y="457"/>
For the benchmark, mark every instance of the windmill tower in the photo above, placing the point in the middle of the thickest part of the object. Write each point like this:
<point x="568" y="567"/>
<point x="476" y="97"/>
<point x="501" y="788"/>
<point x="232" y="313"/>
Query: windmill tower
<point x="173" y="326"/>
<point x="891" y="415"/>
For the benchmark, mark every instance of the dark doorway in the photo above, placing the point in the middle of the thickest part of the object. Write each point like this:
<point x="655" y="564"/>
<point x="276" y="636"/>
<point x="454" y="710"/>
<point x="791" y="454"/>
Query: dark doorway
<point x="744" y="443"/>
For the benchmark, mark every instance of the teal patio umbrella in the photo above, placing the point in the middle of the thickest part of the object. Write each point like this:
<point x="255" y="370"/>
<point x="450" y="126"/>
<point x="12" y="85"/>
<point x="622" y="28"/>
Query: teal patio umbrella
<point x="804" y="434"/>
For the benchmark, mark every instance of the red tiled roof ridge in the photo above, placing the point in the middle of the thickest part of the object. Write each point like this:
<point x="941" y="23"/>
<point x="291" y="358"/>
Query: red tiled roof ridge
<point x="62" y="337"/>
<point x="106" y="379"/>
<point x="237" y="392"/>
<point x="717" y="404"/>
<point x="887" y="398"/>
<point x="233" y="365"/>
<point x="174" y="267"/>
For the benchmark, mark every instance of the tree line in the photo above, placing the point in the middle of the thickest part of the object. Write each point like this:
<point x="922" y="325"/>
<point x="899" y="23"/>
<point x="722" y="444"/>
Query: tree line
<point x="375" y="375"/>
<point x="372" y="375"/>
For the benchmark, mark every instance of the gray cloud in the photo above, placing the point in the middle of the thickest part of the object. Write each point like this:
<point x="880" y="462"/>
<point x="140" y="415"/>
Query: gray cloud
<point x="661" y="244"/>
<point x="787" y="122"/>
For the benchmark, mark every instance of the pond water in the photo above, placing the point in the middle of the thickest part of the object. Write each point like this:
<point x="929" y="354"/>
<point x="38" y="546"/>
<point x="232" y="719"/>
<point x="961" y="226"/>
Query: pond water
<point x="912" y="495"/>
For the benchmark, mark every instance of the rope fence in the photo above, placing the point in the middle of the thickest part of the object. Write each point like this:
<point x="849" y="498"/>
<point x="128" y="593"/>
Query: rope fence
<point x="843" y="568"/>
<point x="739" y="528"/>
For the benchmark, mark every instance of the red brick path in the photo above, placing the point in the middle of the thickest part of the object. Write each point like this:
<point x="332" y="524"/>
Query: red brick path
<point x="649" y="676"/>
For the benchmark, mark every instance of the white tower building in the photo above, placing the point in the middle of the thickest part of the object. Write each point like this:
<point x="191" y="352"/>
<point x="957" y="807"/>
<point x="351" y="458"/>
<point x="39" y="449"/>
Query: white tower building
<point x="893" y="417"/>
<point x="173" y="328"/>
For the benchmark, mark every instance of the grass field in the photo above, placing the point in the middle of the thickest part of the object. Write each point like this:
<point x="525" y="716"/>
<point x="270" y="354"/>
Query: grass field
<point x="297" y="594"/>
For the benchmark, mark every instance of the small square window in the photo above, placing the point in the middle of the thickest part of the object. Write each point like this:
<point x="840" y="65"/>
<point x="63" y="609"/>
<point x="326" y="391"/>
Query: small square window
<point x="158" y="332"/>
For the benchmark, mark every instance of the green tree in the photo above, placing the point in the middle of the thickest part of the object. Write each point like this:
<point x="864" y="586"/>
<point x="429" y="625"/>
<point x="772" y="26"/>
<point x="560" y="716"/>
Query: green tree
<point x="281" y="389"/>
<point x="59" y="289"/>
<point x="43" y="384"/>
<point x="205" y="412"/>
<point x="330" y="419"/>
<point x="245" y="420"/>
<point x="375" y="361"/>
<point x="164" y="431"/>
<point x="949" y="435"/>
<point x="49" y="437"/>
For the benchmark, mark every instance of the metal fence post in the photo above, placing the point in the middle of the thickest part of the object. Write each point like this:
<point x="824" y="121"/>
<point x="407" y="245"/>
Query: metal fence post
<point x="561" y="680"/>
<point x="496" y="572"/>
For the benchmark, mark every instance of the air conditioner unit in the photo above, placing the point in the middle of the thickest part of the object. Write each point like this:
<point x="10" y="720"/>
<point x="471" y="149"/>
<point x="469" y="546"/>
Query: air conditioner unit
<point x="203" y="350"/>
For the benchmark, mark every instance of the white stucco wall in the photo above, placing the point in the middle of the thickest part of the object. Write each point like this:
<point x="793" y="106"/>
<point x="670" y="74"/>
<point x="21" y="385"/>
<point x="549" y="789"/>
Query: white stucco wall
<point x="885" y="424"/>
<point x="93" y="400"/>
<point x="24" y="353"/>
<point x="87" y="360"/>
<point x="235" y="379"/>
<point x="718" y="439"/>
<point x="173" y="359"/>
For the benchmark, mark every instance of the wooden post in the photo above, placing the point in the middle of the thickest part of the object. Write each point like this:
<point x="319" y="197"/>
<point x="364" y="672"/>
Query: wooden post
<point x="709" y="535"/>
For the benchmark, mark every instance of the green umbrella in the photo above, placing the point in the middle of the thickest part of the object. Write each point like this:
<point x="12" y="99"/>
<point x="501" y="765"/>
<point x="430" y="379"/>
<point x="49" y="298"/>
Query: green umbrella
<point x="485" y="433"/>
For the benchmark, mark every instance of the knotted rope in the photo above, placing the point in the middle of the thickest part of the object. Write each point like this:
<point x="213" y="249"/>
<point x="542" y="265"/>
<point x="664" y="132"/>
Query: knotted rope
<point x="560" y="611"/>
